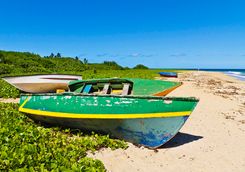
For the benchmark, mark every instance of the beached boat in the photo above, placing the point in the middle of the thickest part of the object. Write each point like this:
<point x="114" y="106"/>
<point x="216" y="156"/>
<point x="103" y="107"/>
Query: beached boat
<point x="124" y="86"/>
<point x="144" y="120"/>
<point x="168" y="74"/>
<point x="41" y="83"/>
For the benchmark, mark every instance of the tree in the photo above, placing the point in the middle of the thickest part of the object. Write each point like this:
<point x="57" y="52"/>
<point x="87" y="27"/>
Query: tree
<point x="51" y="55"/>
<point x="76" y="58"/>
<point x="140" y="66"/>
<point x="112" y="65"/>
<point x="58" y="55"/>
<point x="85" y="61"/>
<point x="2" y="59"/>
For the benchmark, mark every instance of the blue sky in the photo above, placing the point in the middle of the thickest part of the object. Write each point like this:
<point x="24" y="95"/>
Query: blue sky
<point x="161" y="34"/>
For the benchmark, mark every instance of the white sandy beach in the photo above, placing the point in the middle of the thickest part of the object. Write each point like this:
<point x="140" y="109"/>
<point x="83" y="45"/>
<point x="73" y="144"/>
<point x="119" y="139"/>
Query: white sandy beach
<point x="213" y="138"/>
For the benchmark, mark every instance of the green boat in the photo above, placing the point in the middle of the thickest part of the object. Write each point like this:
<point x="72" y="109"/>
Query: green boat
<point x="123" y="86"/>
<point x="123" y="108"/>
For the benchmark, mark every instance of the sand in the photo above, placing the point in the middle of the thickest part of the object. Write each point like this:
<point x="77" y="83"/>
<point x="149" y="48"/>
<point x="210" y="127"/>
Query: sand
<point x="9" y="100"/>
<point x="213" y="138"/>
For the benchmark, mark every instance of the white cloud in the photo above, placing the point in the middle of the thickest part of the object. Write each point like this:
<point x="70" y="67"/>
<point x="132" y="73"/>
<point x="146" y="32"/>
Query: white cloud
<point x="178" y="55"/>
<point x="140" y="55"/>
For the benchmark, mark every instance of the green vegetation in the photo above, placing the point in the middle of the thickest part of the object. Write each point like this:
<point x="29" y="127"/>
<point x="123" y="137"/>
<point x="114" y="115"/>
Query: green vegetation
<point x="130" y="73"/>
<point x="26" y="146"/>
<point x="140" y="66"/>
<point x="7" y="90"/>
<point x="25" y="63"/>
<point x="16" y="63"/>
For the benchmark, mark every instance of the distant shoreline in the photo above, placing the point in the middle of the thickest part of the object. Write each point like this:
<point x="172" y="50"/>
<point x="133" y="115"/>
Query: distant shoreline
<point x="235" y="73"/>
<point x="201" y="69"/>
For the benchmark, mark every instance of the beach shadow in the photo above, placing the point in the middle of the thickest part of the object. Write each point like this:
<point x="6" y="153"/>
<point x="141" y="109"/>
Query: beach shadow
<point x="181" y="139"/>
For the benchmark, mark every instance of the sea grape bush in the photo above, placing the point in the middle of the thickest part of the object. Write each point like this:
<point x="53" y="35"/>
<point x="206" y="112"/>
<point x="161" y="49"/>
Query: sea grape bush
<point x="7" y="90"/>
<point x="27" y="146"/>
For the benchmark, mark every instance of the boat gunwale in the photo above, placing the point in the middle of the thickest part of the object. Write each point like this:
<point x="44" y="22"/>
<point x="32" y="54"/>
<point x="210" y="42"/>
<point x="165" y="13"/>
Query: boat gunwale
<point x="194" y="99"/>
<point x="101" y="80"/>
<point x="165" y="92"/>
<point x="9" y="76"/>
<point x="91" y="81"/>
<point x="101" y="116"/>
<point x="167" y="73"/>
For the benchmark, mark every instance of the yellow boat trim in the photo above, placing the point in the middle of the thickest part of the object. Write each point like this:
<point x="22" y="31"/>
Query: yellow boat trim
<point x="103" y="116"/>
<point x="100" y="116"/>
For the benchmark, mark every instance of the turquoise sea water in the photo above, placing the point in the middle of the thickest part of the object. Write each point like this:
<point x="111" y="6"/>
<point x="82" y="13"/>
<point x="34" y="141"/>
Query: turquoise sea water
<point x="237" y="73"/>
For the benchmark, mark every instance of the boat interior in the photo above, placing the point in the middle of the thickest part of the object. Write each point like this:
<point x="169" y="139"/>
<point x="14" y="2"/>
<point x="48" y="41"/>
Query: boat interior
<point x="107" y="87"/>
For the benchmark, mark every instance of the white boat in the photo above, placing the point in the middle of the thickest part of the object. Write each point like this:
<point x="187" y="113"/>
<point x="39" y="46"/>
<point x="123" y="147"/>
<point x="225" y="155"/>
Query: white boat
<point x="41" y="83"/>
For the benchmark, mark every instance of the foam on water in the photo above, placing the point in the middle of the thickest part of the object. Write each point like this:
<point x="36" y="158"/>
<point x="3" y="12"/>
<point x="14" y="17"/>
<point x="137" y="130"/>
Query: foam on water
<point x="234" y="73"/>
<point x="238" y="75"/>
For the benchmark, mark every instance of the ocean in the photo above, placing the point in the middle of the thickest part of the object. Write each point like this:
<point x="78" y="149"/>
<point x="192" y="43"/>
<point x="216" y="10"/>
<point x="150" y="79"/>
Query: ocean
<point x="237" y="73"/>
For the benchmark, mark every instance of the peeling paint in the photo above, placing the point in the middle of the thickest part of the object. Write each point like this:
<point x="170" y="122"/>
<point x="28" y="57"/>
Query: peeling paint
<point x="68" y="97"/>
<point x="167" y="101"/>
<point x="45" y="97"/>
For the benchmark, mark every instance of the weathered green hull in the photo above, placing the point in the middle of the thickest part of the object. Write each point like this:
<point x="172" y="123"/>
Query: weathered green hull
<point x="148" y="121"/>
<point x="149" y="132"/>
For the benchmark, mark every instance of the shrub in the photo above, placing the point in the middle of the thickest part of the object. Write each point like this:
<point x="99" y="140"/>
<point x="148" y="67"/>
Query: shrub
<point x="26" y="146"/>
